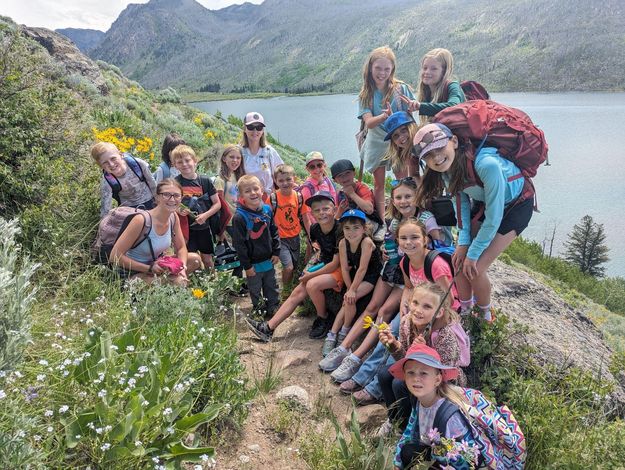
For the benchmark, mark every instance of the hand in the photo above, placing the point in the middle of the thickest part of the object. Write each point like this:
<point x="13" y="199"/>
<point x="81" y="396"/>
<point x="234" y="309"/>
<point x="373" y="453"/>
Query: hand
<point x="419" y="340"/>
<point x="202" y="218"/>
<point x="386" y="337"/>
<point x="183" y="212"/>
<point x="305" y="277"/>
<point x="469" y="269"/>
<point x="349" y="191"/>
<point x="404" y="309"/>
<point x="343" y="206"/>
<point x="250" y="272"/>
<point x="412" y="105"/>
<point x="156" y="268"/>
<point x="275" y="259"/>
<point x="387" y="111"/>
<point x="350" y="297"/>
<point x="383" y="252"/>
<point x="459" y="255"/>
<point x="316" y="247"/>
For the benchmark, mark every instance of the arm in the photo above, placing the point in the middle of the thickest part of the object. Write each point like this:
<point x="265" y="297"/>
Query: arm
<point x="327" y="269"/>
<point x="367" y="249"/>
<point x="275" y="239"/>
<point x="362" y="200"/>
<point x="180" y="247"/>
<point x="125" y="242"/>
<point x="344" y="263"/>
<point x="455" y="96"/>
<point x="106" y="197"/>
<point x="239" y="238"/>
<point x="372" y="121"/>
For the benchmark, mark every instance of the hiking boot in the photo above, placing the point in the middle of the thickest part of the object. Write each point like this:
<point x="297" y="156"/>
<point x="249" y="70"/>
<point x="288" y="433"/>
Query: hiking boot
<point x="346" y="369"/>
<point x="319" y="328"/>
<point x="350" y="386"/>
<point x="260" y="329"/>
<point x="385" y="429"/>
<point x="333" y="359"/>
<point x="364" y="398"/>
<point x="328" y="347"/>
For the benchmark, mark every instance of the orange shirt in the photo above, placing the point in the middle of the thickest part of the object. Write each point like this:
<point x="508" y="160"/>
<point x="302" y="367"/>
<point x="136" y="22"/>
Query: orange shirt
<point x="286" y="215"/>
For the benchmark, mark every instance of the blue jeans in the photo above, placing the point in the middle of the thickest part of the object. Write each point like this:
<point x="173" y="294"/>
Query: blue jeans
<point x="378" y="361"/>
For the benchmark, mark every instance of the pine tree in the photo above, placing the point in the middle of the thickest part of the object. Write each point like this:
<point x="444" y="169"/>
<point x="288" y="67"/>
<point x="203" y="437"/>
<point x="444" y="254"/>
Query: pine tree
<point x="586" y="247"/>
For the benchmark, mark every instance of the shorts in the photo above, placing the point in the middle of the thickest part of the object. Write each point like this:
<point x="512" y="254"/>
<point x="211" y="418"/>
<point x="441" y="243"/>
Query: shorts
<point x="289" y="251"/>
<point x="338" y="277"/>
<point x="392" y="275"/>
<point x="202" y="241"/>
<point x="516" y="216"/>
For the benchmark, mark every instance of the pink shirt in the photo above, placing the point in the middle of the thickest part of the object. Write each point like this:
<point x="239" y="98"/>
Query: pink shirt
<point x="440" y="268"/>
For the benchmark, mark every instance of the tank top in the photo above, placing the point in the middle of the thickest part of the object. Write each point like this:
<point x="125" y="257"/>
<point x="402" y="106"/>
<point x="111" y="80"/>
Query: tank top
<point x="160" y="243"/>
<point x="375" y="262"/>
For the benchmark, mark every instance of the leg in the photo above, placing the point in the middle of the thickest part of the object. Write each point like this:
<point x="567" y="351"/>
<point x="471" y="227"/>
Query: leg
<point x="349" y="311"/>
<point x="288" y="307"/>
<point x="270" y="291"/>
<point x="481" y="284"/>
<point x="378" y="190"/>
<point x="387" y="313"/>
<point x="254" y="284"/>
<point x="194" y="262"/>
<point x="338" y="321"/>
<point x="207" y="259"/>
<point x="315" y="288"/>
<point x="287" y="274"/>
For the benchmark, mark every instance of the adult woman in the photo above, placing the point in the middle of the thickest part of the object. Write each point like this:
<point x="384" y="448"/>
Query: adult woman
<point x="259" y="158"/>
<point x="142" y="260"/>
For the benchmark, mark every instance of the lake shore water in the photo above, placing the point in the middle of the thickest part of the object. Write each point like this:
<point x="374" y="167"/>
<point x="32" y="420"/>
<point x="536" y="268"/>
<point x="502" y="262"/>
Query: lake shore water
<point x="586" y="175"/>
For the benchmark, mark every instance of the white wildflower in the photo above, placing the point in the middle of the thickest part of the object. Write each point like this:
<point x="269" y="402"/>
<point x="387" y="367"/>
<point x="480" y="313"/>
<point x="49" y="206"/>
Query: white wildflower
<point x="63" y="409"/>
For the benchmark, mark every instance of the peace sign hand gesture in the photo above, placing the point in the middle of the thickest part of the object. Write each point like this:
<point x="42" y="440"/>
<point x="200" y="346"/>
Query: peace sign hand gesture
<point x="412" y="105"/>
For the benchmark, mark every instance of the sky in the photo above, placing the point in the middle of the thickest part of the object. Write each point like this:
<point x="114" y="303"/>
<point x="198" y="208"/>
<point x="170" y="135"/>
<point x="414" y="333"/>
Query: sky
<point x="93" y="14"/>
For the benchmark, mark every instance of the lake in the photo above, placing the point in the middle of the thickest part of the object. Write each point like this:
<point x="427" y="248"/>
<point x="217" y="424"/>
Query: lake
<point x="586" y="152"/>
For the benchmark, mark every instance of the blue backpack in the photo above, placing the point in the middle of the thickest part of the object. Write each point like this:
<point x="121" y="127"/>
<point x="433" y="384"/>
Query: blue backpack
<point x="114" y="183"/>
<point x="253" y="217"/>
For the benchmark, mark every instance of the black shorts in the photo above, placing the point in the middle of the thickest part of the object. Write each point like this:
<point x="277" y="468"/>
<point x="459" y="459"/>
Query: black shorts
<point x="202" y="241"/>
<point x="516" y="216"/>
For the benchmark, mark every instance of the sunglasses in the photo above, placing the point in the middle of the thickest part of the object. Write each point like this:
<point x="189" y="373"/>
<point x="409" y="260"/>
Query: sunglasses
<point x="314" y="166"/>
<point x="427" y="139"/>
<point x="252" y="127"/>
<point x="408" y="180"/>
<point x="170" y="196"/>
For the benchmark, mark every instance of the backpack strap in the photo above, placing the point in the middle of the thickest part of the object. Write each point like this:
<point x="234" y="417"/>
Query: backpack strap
<point x="114" y="183"/>
<point x="165" y="169"/>
<point x="273" y="201"/>
<point x="443" y="414"/>
<point x="405" y="265"/>
<point x="428" y="263"/>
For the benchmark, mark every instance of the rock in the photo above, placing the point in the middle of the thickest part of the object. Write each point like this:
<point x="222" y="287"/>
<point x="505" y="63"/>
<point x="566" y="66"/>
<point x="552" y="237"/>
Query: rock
<point x="244" y="458"/>
<point x="292" y="358"/>
<point x="369" y="417"/>
<point x="295" y="395"/>
<point x="65" y="52"/>
<point x="254" y="448"/>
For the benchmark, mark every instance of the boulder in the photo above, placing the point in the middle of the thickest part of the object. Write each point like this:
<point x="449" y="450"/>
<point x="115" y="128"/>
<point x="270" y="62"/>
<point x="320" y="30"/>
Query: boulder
<point x="369" y="417"/>
<point x="292" y="358"/>
<point x="296" y="396"/>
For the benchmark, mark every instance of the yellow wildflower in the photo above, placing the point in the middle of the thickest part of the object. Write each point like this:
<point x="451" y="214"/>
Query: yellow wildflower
<point x="369" y="323"/>
<point x="198" y="293"/>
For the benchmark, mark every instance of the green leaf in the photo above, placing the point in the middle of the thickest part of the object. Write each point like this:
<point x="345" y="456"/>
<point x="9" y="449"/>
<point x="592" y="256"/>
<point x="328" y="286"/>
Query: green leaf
<point x="123" y="428"/>
<point x="181" y="452"/>
<point x="189" y="423"/>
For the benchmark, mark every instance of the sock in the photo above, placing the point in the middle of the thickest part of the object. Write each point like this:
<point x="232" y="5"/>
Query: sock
<point x="331" y="335"/>
<point x="466" y="306"/>
<point x="355" y="358"/>
<point x="342" y="349"/>
<point x="344" y="330"/>
<point x="486" y="312"/>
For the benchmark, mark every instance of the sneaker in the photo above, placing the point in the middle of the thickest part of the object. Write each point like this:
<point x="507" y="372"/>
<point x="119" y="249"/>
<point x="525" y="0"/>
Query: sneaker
<point x="328" y="346"/>
<point x="363" y="398"/>
<point x="378" y="235"/>
<point x="260" y="329"/>
<point x="350" y="386"/>
<point x="333" y="359"/>
<point x="319" y="328"/>
<point x="346" y="369"/>
<point x="340" y="337"/>
<point x="385" y="429"/>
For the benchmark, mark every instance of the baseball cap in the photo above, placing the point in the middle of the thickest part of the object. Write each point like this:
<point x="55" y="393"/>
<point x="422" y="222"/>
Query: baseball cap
<point x="357" y="213"/>
<point x="425" y="355"/>
<point x="312" y="156"/>
<point x="431" y="137"/>
<point x="341" y="166"/>
<point x="395" y="121"/>
<point x="253" y="118"/>
<point x="318" y="196"/>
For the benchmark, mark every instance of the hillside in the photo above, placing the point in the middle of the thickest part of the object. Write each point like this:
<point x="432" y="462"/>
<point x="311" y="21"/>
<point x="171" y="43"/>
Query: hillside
<point x="320" y="45"/>
<point x="98" y="374"/>
<point x="85" y="39"/>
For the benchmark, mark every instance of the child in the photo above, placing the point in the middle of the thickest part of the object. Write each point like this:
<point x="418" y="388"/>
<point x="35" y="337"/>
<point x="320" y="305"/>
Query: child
<point x="437" y="91"/>
<point x="356" y="195"/>
<point x="255" y="238"/>
<point x="200" y="198"/>
<point x="505" y="215"/>
<point x="388" y="289"/>
<point x="124" y="178"/>
<point x="360" y="268"/>
<point x="259" y="158"/>
<point x="231" y="170"/>
<point x="380" y="95"/>
<point x="316" y="181"/>
<point x="400" y="130"/>
<point x="414" y="329"/>
<point x="286" y="206"/>
<point x="427" y="378"/>
<point x="323" y="233"/>
<point x="167" y="169"/>
<point x="412" y="240"/>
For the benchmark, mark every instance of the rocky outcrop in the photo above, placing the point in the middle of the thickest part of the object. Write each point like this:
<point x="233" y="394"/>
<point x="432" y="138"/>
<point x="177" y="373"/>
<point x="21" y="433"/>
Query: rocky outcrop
<point x="67" y="54"/>
<point x="561" y="335"/>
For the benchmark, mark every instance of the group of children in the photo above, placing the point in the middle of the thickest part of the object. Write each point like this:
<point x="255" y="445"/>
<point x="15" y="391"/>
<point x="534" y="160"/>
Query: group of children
<point x="414" y="294"/>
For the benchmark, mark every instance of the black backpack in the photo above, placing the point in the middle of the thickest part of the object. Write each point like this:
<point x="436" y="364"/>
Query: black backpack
<point x="428" y="263"/>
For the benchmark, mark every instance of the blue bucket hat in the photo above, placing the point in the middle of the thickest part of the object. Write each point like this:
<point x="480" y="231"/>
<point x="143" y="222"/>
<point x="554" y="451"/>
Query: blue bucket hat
<point x="395" y="121"/>
<point x="357" y="213"/>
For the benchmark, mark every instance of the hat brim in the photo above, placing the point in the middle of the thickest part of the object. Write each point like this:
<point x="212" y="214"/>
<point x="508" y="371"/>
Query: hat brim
<point x="437" y="144"/>
<point x="397" y="369"/>
<point x="318" y="197"/>
<point x="389" y="134"/>
<point x="353" y="216"/>
<point x="255" y="122"/>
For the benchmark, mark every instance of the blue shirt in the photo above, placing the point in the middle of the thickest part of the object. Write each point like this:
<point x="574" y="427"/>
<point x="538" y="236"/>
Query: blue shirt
<point x="378" y="97"/>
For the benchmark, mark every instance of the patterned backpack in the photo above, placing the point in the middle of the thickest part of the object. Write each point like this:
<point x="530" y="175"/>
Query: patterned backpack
<point x="495" y="430"/>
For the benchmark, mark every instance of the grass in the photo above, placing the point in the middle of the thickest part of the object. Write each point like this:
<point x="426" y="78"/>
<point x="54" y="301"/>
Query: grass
<point x="270" y="378"/>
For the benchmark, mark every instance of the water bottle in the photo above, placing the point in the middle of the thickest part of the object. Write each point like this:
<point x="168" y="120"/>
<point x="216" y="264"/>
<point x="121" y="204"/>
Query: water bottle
<point x="390" y="246"/>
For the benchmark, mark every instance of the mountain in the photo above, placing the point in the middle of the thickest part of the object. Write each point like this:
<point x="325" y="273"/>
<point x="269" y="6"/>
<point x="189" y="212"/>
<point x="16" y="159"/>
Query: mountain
<point x="85" y="39"/>
<point x="300" y="45"/>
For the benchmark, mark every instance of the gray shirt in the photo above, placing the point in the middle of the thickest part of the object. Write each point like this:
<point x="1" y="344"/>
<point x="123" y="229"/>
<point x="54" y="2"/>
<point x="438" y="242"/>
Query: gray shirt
<point x="133" y="191"/>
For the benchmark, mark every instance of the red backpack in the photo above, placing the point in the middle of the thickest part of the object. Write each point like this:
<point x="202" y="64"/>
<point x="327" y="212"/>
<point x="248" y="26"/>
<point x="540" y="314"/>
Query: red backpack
<point x="482" y="123"/>
<point x="472" y="91"/>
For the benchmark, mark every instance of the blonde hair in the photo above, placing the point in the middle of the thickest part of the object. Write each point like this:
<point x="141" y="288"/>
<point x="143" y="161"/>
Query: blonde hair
<point x="399" y="157"/>
<point x="283" y="170"/>
<point x="368" y="84"/>
<point x="449" y="314"/>
<point x="454" y="394"/>
<point x="224" y="171"/>
<point x="182" y="150"/>
<point x="444" y="57"/>
<point x="100" y="148"/>
<point x="244" y="142"/>
<point x="247" y="180"/>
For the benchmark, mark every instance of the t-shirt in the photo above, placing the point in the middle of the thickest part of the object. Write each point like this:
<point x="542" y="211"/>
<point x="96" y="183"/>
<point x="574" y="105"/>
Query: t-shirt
<point x="362" y="190"/>
<point x="312" y="186"/>
<point x="440" y="268"/>
<point x="285" y="216"/>
<point x="327" y="242"/>
<point x="262" y="165"/>
<point x="133" y="193"/>
<point x="193" y="188"/>
<point x="231" y="194"/>
<point x="396" y="103"/>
